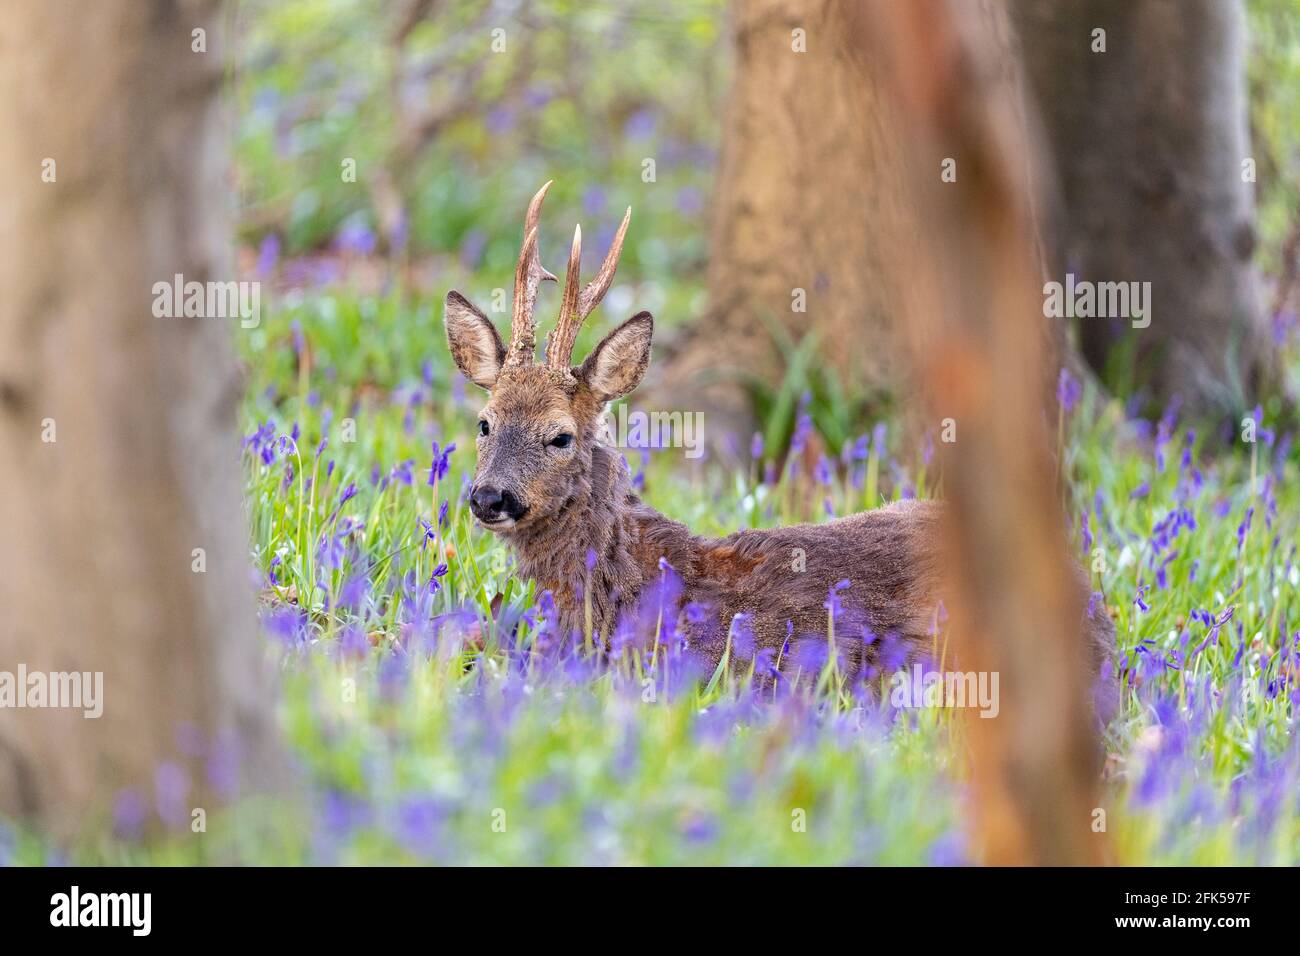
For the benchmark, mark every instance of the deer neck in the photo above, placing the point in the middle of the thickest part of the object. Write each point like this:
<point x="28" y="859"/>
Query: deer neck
<point x="606" y="517"/>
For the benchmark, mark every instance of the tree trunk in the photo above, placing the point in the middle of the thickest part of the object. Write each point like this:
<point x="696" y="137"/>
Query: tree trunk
<point x="1149" y="138"/>
<point x="120" y="455"/>
<point x="808" y="207"/>
<point x="795" y="238"/>
<point x="972" y="310"/>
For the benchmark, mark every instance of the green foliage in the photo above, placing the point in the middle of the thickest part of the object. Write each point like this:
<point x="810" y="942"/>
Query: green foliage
<point x="580" y="94"/>
<point x="1274" y="71"/>
<point x="406" y="756"/>
<point x="413" y="765"/>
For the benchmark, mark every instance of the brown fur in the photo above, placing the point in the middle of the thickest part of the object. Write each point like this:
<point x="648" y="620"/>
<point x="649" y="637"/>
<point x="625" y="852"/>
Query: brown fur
<point x="555" y="502"/>
<point x="581" y="499"/>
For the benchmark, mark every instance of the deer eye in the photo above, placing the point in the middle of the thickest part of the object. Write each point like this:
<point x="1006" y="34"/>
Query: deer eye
<point x="562" y="440"/>
<point x="483" y="426"/>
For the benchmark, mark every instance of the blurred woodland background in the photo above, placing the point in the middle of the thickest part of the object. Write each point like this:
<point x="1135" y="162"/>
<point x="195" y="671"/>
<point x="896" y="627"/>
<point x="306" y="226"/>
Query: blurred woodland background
<point x="764" y="186"/>
<point x="824" y="291"/>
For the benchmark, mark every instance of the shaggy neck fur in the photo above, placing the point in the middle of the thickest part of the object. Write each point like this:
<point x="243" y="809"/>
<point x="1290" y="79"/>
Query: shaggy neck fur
<point x="603" y="515"/>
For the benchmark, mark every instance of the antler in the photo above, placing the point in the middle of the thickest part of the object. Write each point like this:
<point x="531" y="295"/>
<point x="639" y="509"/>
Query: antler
<point x="575" y="306"/>
<point x="528" y="275"/>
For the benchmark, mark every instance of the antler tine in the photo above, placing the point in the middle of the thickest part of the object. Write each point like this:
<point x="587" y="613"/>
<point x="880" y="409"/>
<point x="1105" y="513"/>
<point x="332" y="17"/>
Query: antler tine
<point x="576" y="306"/>
<point x="528" y="275"/>
<point x="560" y="345"/>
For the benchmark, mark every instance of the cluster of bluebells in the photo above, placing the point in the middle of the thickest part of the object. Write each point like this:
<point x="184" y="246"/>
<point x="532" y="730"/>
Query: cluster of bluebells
<point x="396" y="615"/>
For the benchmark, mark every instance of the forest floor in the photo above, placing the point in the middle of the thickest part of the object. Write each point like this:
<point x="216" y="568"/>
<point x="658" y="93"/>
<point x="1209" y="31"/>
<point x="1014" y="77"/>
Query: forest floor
<point x="434" y="717"/>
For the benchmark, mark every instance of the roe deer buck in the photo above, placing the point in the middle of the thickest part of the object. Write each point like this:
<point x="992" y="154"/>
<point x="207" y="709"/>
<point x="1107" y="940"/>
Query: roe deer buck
<point x="556" y="492"/>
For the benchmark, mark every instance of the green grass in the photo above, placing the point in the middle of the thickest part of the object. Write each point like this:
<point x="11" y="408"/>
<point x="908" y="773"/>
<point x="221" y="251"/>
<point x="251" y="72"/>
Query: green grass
<point x="477" y="749"/>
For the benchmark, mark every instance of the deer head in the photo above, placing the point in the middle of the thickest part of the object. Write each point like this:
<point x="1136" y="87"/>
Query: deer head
<point x="537" y="432"/>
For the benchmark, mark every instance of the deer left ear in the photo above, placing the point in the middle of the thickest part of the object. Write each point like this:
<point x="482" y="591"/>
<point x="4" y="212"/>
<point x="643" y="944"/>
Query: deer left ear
<point x="475" y="344"/>
<point x="615" y="366"/>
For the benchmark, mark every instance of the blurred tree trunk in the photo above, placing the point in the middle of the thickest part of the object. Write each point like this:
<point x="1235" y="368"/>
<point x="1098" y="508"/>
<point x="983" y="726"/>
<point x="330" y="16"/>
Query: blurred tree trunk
<point x="1148" y="139"/>
<point x="807" y="212"/>
<point x="795" y="241"/>
<point x="120" y="454"/>
<point x="971" y="307"/>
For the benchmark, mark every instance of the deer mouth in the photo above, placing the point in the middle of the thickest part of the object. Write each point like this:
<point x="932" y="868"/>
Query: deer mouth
<point x="501" y="521"/>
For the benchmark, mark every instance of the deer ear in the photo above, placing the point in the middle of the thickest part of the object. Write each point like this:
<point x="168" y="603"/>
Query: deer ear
<point x="615" y="366"/>
<point x="475" y="344"/>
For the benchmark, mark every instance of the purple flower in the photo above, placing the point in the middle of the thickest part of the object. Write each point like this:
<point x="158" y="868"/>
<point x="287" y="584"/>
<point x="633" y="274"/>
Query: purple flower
<point x="402" y="471"/>
<point x="287" y="624"/>
<point x="471" y="248"/>
<point x="427" y="534"/>
<point x="593" y="200"/>
<point x="1068" y="390"/>
<point x="401" y="229"/>
<point x="441" y="465"/>
<point x="1141" y="491"/>
<point x="392" y="676"/>
<point x="802" y="431"/>
<point x="949" y="850"/>
<point x="1094" y="601"/>
<point x="742" y="636"/>
<point x="810" y="654"/>
<point x="130" y="811"/>
<point x="1243" y="529"/>
<point x="499" y="120"/>
<point x="355" y="238"/>
<point x="878" y="439"/>
<point x="354" y="590"/>
<point x="689" y="201"/>
<point x="824" y="474"/>
<point x="756" y="446"/>
<point x="434" y="585"/>
<point x="171" y="787"/>
<point x="832" y="602"/>
<point x="1137" y="599"/>
<point x="418" y="822"/>
<point x="1266" y="435"/>
<point x="342" y="813"/>
<point x="268" y="254"/>
<point x="640" y="125"/>
<point x="535" y="97"/>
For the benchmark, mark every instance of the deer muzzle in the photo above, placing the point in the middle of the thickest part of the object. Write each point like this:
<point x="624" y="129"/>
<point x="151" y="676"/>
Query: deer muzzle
<point x="496" y="507"/>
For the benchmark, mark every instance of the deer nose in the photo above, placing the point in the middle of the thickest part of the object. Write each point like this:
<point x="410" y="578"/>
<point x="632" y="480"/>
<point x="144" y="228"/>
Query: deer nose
<point x="489" y="504"/>
<point x="485" y="501"/>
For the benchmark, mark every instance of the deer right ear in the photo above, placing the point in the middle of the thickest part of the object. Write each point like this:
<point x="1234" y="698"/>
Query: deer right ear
<point x="475" y="344"/>
<point x="616" y="365"/>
